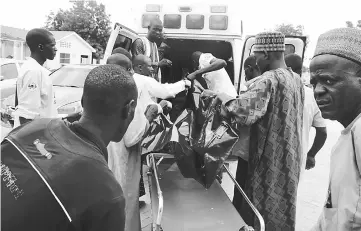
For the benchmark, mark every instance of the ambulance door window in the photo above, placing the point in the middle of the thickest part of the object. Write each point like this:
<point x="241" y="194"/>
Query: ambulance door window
<point x="123" y="41"/>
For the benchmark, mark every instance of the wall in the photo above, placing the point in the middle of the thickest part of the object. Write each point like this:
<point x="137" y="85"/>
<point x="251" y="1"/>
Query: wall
<point x="76" y="49"/>
<point x="17" y="49"/>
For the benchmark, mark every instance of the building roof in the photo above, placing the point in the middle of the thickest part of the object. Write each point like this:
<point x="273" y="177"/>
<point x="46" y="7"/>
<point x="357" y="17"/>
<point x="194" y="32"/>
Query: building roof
<point x="58" y="35"/>
<point x="14" y="33"/>
<point x="20" y="34"/>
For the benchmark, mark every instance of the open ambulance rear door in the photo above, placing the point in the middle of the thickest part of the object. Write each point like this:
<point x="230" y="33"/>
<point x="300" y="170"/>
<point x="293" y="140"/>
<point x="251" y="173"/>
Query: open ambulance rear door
<point x="121" y="36"/>
<point x="294" y="44"/>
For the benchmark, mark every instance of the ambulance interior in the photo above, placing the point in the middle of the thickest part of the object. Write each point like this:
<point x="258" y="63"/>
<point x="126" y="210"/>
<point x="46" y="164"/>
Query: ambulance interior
<point x="180" y="52"/>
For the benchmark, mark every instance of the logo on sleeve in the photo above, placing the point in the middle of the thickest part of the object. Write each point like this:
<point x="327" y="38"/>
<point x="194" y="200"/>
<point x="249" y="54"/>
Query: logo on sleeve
<point x="9" y="179"/>
<point x="32" y="86"/>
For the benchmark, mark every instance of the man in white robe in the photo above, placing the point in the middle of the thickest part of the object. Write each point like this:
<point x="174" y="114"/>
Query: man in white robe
<point x="124" y="157"/>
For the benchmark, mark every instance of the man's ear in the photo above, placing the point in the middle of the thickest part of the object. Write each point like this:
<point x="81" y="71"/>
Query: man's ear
<point x="129" y="109"/>
<point x="266" y="55"/>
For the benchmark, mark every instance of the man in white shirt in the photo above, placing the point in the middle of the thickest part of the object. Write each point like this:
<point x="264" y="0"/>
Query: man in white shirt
<point x="34" y="90"/>
<point x="212" y="70"/>
<point x="312" y="117"/>
<point x="336" y="77"/>
<point x="125" y="156"/>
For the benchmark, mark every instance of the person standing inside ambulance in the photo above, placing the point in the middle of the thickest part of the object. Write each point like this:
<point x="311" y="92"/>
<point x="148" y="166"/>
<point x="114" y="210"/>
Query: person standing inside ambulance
<point x="148" y="46"/>
<point x="212" y="70"/>
<point x="34" y="89"/>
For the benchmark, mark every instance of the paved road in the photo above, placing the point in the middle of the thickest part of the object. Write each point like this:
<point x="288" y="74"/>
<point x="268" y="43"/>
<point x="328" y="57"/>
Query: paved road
<point x="312" y="191"/>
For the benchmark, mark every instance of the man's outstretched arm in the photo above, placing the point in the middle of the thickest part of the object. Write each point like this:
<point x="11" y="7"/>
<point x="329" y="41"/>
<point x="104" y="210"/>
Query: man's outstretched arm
<point x="319" y="141"/>
<point x="215" y="64"/>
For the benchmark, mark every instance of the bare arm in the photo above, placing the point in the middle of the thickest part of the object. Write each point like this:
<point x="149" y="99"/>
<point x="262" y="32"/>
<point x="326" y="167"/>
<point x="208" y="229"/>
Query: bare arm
<point x="319" y="141"/>
<point x="215" y="64"/>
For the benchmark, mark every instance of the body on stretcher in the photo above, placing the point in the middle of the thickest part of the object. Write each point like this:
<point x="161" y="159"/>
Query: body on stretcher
<point x="180" y="203"/>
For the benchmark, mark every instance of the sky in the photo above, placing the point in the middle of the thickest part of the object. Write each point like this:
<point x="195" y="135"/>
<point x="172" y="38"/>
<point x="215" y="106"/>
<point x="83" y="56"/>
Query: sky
<point x="317" y="16"/>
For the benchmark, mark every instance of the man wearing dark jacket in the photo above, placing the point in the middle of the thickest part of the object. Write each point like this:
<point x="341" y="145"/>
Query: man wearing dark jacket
<point x="55" y="174"/>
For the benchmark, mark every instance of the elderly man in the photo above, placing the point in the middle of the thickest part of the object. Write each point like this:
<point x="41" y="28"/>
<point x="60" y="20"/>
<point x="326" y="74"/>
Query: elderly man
<point x="273" y="108"/>
<point x="55" y="173"/>
<point x="148" y="46"/>
<point x="336" y="77"/>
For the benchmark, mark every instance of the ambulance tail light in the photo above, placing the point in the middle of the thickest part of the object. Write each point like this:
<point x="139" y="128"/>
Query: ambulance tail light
<point x="218" y="9"/>
<point x="218" y="22"/>
<point x="152" y="8"/>
<point x="185" y="9"/>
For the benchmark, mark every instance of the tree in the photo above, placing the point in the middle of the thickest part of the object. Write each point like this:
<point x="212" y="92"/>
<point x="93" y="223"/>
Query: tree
<point x="88" y="19"/>
<point x="290" y="29"/>
<point x="351" y="25"/>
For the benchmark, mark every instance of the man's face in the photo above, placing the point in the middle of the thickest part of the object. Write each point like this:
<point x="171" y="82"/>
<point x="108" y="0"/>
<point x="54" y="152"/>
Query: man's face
<point x="49" y="48"/>
<point x="155" y="32"/>
<point x="336" y="86"/>
<point x="262" y="61"/>
<point x="147" y="68"/>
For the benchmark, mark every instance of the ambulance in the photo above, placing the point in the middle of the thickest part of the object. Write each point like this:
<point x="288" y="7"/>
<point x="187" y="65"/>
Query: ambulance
<point x="216" y="29"/>
<point x="179" y="203"/>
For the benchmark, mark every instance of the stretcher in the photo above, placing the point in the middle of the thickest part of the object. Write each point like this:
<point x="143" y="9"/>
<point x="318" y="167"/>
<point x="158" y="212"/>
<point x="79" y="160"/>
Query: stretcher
<point x="183" y="204"/>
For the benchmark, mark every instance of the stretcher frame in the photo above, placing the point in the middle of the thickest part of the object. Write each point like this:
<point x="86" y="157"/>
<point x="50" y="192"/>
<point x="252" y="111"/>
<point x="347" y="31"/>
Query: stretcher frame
<point x="153" y="172"/>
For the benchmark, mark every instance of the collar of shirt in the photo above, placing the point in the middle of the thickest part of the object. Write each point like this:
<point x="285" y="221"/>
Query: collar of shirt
<point x="348" y="128"/>
<point x="85" y="134"/>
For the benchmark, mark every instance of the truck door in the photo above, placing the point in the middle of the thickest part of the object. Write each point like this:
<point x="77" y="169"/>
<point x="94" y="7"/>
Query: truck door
<point x="294" y="44"/>
<point x="121" y="36"/>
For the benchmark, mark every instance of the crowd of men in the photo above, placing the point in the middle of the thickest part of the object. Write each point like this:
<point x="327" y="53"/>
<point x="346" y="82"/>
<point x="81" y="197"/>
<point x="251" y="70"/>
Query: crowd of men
<point x="83" y="172"/>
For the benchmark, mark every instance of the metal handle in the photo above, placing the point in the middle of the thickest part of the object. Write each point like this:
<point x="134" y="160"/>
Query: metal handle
<point x="150" y="158"/>
<point x="260" y="218"/>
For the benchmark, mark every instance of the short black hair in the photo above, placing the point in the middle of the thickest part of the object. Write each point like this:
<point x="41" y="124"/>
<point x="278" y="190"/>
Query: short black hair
<point x="119" y="59"/>
<point x="196" y="55"/>
<point x="37" y="36"/>
<point x="294" y="61"/>
<point x="251" y="61"/>
<point x="106" y="89"/>
<point x="121" y="50"/>
<point x="139" y="59"/>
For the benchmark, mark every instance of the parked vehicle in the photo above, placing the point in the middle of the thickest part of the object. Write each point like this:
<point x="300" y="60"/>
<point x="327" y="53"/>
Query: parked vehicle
<point x="68" y="82"/>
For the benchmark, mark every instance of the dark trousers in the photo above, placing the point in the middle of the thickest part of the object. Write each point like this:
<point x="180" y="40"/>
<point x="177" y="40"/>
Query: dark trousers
<point x="241" y="177"/>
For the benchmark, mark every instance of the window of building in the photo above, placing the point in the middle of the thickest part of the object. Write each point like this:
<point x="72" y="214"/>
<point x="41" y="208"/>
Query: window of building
<point x="64" y="58"/>
<point x="65" y="44"/>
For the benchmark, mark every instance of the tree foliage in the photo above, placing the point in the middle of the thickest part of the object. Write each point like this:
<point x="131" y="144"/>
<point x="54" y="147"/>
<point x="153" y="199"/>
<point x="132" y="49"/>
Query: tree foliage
<point x="290" y="29"/>
<point x="351" y="25"/>
<point x="88" y="19"/>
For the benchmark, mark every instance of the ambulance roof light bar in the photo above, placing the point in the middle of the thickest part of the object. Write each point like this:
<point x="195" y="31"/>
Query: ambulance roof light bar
<point x="152" y="8"/>
<point x="219" y="9"/>
<point x="185" y="9"/>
